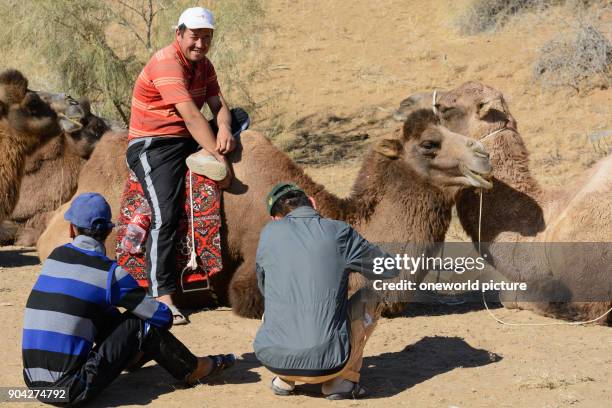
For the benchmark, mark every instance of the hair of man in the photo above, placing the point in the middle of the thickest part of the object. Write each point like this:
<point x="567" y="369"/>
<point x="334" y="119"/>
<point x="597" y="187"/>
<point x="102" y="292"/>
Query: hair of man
<point x="289" y="202"/>
<point x="99" y="234"/>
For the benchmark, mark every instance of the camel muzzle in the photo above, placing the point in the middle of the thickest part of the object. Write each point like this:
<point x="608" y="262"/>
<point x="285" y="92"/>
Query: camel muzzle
<point x="68" y="110"/>
<point x="475" y="178"/>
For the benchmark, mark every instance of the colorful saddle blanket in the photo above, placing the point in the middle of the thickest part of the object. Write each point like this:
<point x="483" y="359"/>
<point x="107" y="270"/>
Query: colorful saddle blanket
<point x="206" y="212"/>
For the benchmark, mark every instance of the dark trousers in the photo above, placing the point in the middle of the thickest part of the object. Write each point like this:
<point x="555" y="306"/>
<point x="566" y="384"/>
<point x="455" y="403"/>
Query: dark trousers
<point x="159" y="165"/>
<point x="125" y="339"/>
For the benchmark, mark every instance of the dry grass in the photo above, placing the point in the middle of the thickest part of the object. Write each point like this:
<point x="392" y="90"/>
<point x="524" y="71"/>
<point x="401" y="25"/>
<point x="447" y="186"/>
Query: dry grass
<point x="550" y="381"/>
<point x="579" y="58"/>
<point x="487" y="15"/>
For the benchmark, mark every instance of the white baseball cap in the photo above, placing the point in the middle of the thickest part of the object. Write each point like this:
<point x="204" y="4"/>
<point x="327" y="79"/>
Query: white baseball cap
<point x="197" y="17"/>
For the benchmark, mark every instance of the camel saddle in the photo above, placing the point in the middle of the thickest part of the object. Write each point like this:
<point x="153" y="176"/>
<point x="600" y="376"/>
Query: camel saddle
<point x="207" y="226"/>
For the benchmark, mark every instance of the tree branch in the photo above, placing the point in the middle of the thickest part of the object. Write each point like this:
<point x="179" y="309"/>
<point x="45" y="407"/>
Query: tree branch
<point x="124" y="117"/>
<point x="134" y="9"/>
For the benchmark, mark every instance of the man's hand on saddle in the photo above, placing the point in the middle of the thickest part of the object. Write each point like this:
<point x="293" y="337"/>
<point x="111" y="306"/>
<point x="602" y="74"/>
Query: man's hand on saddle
<point x="225" y="141"/>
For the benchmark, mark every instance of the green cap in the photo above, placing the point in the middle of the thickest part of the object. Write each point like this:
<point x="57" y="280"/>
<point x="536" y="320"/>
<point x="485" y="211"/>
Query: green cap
<point x="278" y="191"/>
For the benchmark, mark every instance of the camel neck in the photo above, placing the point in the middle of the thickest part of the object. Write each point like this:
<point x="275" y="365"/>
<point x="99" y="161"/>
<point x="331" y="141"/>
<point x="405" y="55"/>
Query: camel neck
<point x="394" y="207"/>
<point x="388" y="202"/>
<point x="510" y="160"/>
<point x="391" y="203"/>
<point x="14" y="146"/>
<point x="514" y="204"/>
<point x="11" y="170"/>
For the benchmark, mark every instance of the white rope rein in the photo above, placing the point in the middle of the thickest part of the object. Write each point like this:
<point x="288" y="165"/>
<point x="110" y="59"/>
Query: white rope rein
<point x="72" y="120"/>
<point x="496" y="132"/>
<point x="433" y="102"/>
<point x="193" y="259"/>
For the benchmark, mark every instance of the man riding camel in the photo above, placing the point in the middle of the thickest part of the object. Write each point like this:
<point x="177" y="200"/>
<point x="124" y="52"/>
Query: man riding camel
<point x="166" y="131"/>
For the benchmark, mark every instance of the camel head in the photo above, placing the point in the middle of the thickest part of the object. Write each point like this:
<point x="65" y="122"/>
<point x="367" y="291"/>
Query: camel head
<point x="82" y="128"/>
<point x="474" y="109"/>
<point x="24" y="111"/>
<point x="437" y="155"/>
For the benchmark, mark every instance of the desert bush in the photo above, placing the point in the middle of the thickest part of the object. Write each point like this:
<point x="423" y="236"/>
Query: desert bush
<point x="486" y="15"/>
<point x="578" y="58"/>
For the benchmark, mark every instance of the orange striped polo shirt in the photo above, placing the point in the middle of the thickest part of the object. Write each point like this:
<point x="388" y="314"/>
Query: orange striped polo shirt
<point x="167" y="79"/>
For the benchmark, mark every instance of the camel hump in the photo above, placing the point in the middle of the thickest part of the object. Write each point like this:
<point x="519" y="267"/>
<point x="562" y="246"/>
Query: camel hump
<point x="252" y="137"/>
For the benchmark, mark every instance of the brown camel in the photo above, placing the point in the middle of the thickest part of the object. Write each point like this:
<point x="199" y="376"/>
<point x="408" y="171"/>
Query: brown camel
<point x="105" y="172"/>
<point x="518" y="210"/>
<point x="26" y="123"/>
<point x="51" y="173"/>
<point x="404" y="193"/>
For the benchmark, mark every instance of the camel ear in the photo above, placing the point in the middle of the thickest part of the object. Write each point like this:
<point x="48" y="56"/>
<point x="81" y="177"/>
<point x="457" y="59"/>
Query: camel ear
<point x="390" y="148"/>
<point x="400" y="115"/>
<point x="85" y="105"/>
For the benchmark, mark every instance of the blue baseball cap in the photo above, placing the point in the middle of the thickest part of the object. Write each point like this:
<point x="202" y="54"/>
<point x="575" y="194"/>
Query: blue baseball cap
<point x="91" y="211"/>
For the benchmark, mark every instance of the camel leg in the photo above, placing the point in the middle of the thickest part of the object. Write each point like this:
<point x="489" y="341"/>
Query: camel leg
<point x="244" y="295"/>
<point x="8" y="232"/>
<point x="394" y="309"/>
<point x="508" y="299"/>
<point x="29" y="233"/>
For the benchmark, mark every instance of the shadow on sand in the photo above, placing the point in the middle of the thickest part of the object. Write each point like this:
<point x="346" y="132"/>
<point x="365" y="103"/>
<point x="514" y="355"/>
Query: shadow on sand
<point x="149" y="383"/>
<point x="10" y="258"/>
<point x="389" y="374"/>
<point x="385" y="375"/>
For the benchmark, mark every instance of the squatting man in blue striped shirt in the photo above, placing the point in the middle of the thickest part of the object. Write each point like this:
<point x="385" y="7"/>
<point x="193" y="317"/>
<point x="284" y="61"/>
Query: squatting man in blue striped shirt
<point x="76" y="339"/>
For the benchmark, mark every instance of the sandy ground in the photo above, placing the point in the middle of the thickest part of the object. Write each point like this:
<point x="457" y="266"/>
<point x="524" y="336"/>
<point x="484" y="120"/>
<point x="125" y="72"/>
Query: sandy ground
<point x="440" y="357"/>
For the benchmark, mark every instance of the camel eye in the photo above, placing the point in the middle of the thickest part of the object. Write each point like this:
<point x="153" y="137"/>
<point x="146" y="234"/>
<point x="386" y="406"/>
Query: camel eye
<point x="452" y="112"/>
<point x="430" y="145"/>
<point x="33" y="107"/>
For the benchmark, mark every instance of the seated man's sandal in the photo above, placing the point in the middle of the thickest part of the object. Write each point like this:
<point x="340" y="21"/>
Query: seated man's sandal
<point x="207" y="166"/>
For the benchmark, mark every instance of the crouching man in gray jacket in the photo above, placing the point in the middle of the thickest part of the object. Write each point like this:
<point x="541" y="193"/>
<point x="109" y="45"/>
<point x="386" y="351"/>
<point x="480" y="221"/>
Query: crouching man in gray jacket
<point x="312" y="332"/>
